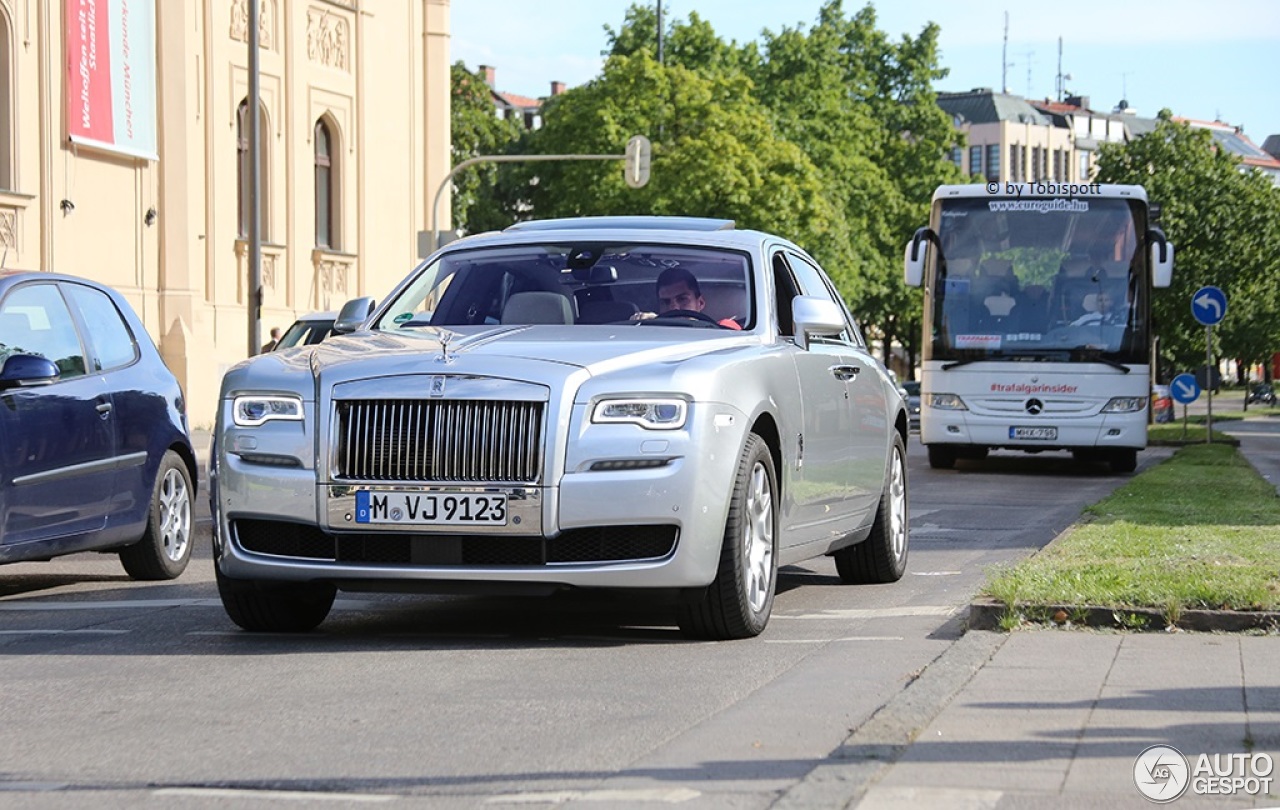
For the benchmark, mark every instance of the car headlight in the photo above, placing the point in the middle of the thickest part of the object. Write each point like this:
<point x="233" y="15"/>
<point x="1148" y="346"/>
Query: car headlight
<point x="1125" y="404"/>
<point x="253" y="410"/>
<point x="654" y="414"/>
<point x="945" y="402"/>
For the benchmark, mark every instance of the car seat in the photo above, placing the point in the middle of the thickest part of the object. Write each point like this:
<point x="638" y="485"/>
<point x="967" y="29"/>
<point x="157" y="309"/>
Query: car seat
<point x="537" y="307"/>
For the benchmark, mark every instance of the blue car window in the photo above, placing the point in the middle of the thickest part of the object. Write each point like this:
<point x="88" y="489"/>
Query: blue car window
<point x="108" y="334"/>
<point x="37" y="321"/>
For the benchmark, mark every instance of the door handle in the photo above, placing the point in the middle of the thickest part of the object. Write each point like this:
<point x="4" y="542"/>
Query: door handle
<point x="103" y="409"/>
<point x="845" y="373"/>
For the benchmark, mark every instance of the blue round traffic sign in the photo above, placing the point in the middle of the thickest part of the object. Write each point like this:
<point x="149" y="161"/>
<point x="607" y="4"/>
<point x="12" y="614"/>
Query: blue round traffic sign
<point x="1209" y="305"/>
<point x="1184" y="388"/>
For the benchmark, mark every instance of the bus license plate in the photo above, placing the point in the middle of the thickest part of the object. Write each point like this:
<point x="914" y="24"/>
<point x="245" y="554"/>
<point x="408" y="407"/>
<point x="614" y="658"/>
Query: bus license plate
<point x="1034" y="433"/>
<point x="431" y="508"/>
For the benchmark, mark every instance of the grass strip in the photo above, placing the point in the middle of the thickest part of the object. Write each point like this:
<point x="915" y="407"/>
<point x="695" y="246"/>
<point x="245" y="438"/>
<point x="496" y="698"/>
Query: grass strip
<point x="1200" y="530"/>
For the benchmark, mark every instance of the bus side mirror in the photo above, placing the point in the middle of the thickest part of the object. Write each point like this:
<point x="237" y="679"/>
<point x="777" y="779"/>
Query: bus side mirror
<point x="913" y="261"/>
<point x="1161" y="258"/>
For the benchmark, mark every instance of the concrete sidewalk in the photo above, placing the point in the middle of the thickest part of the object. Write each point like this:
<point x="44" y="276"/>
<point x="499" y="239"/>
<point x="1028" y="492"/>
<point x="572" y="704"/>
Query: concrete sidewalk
<point x="1059" y="718"/>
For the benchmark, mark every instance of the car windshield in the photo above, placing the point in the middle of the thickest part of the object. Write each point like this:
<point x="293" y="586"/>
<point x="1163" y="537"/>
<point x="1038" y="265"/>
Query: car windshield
<point x="305" y="332"/>
<point x="1041" y="282"/>
<point x="579" y="284"/>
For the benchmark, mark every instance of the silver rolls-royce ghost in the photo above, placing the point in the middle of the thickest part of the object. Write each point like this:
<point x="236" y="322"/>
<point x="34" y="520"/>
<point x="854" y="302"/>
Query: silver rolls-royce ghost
<point x="650" y="403"/>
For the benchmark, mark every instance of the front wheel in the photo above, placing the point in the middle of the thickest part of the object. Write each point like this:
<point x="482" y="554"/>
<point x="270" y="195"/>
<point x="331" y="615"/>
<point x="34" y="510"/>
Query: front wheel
<point x="165" y="547"/>
<point x="739" y="600"/>
<point x="1124" y="461"/>
<point x="942" y="457"/>
<point x="882" y="557"/>
<point x="275" y="607"/>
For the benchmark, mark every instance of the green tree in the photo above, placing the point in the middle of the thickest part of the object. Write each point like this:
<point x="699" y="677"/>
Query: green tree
<point x="1225" y="226"/>
<point x="863" y="106"/>
<point x="476" y="131"/>
<point x="715" y="152"/>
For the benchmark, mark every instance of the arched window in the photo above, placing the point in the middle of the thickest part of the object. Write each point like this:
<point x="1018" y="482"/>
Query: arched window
<point x="326" y="187"/>
<point x="6" y="106"/>
<point x="244" y="173"/>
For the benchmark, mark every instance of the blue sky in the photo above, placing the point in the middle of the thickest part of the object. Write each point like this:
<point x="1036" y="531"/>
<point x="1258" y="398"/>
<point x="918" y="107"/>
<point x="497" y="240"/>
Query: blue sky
<point x="1204" y="59"/>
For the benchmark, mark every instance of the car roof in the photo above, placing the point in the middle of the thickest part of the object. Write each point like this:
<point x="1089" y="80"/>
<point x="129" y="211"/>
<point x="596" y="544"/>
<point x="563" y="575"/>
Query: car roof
<point x="326" y="315"/>
<point x="653" y="229"/>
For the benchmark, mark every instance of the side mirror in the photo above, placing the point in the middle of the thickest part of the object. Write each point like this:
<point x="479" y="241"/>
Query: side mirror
<point x="27" y="371"/>
<point x="353" y="315"/>
<point x="814" y="317"/>
<point x="913" y="261"/>
<point x="1161" y="258"/>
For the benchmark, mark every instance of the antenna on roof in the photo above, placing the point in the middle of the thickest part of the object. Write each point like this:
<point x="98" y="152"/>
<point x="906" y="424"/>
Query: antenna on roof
<point x="1029" y="55"/>
<point x="1063" y="78"/>
<point x="1004" y="57"/>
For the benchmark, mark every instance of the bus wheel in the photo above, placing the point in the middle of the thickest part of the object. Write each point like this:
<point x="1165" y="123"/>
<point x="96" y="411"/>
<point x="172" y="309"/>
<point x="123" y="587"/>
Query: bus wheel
<point x="941" y="457"/>
<point x="1124" y="461"/>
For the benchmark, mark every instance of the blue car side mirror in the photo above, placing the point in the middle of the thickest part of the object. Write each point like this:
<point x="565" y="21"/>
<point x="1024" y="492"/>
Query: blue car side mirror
<point x="27" y="370"/>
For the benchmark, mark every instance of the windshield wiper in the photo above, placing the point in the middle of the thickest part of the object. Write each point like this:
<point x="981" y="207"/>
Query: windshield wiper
<point x="1084" y="353"/>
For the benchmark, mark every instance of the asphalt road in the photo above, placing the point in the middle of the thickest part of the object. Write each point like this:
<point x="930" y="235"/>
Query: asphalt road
<point x="117" y="694"/>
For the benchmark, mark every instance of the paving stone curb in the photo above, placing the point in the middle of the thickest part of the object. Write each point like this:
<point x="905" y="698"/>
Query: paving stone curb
<point x="986" y="614"/>
<point x="871" y="748"/>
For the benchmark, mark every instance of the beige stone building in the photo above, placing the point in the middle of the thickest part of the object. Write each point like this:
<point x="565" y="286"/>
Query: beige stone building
<point x="355" y="141"/>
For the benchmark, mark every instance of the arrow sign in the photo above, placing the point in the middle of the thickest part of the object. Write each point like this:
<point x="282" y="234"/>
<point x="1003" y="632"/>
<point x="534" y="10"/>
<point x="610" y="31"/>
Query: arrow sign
<point x="1184" y="388"/>
<point x="1209" y="305"/>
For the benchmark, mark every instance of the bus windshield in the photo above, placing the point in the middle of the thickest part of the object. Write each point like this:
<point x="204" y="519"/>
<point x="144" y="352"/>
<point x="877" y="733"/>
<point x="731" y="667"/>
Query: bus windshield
<point x="1039" y="279"/>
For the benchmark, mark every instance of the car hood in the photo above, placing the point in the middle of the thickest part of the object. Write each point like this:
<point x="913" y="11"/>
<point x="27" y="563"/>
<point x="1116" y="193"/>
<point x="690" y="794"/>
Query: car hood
<point x="547" y="354"/>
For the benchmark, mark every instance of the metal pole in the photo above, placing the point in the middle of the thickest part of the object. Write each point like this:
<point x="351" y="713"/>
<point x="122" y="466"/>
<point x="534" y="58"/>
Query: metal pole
<point x="255" y="180"/>
<point x="448" y="178"/>
<point x="660" y="32"/>
<point x="1208" y="381"/>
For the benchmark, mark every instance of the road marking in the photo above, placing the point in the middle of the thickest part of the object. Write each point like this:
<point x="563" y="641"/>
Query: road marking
<point x="908" y="798"/>
<point x="874" y="613"/>
<point x="123" y="604"/>
<point x="829" y="640"/>
<point x="62" y="632"/>
<point x="150" y="604"/>
<point x="283" y="795"/>
<point x="919" y="513"/>
<point x="666" y="796"/>
<point x="935" y="573"/>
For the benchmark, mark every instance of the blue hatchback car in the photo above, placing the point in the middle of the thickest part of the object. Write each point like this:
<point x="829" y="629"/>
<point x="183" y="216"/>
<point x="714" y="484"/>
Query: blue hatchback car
<point x="95" y="453"/>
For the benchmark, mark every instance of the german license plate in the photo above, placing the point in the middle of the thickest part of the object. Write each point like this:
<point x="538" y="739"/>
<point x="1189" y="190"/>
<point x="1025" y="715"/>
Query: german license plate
<point x="1034" y="433"/>
<point x="431" y="508"/>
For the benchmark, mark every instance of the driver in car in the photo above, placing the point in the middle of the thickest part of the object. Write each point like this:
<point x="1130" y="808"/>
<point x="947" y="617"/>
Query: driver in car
<point x="678" y="291"/>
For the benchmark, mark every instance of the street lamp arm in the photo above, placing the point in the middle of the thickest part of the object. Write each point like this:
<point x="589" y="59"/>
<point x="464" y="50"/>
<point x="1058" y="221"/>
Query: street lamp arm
<point x="448" y="178"/>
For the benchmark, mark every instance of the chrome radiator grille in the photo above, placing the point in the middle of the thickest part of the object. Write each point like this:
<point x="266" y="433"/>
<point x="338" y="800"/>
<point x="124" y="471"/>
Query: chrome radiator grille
<point x="439" y="440"/>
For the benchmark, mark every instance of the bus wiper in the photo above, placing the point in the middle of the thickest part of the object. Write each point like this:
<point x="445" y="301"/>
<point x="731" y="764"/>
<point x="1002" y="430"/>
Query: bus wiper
<point x="958" y="363"/>
<point x="1084" y="353"/>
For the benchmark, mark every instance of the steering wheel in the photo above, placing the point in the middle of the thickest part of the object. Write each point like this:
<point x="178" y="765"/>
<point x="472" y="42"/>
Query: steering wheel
<point x="688" y="314"/>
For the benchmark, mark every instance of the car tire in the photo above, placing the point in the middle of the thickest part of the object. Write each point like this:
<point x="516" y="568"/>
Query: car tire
<point x="1124" y="461"/>
<point x="275" y="607"/>
<point x="165" y="547"/>
<point x="739" y="600"/>
<point x="882" y="557"/>
<point x="942" y="457"/>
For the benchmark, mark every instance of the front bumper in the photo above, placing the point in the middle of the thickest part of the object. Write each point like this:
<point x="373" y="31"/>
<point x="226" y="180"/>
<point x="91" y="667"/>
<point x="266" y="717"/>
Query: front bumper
<point x="611" y="527"/>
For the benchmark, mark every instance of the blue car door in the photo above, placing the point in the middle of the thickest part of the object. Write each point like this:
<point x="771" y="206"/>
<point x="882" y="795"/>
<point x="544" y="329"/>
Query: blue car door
<point x="138" y="409"/>
<point x="59" y="446"/>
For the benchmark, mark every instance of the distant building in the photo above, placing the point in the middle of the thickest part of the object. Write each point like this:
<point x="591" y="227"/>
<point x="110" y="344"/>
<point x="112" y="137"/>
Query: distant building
<point x="134" y="170"/>
<point x="1090" y="128"/>
<point x="512" y="105"/>
<point x="1010" y="140"/>
<point x="1232" y="139"/>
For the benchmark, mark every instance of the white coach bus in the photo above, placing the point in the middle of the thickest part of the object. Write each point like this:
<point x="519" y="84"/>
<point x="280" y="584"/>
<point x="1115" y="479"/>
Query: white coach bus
<point x="1037" y="319"/>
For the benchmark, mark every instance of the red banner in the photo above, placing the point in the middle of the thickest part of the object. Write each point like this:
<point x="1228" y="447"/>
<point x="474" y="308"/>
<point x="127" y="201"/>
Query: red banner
<point x="89" y="71"/>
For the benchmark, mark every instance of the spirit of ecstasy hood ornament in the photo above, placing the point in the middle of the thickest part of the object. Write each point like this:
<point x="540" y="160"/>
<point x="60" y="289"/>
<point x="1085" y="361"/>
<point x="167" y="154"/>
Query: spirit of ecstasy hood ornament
<point x="445" y="338"/>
